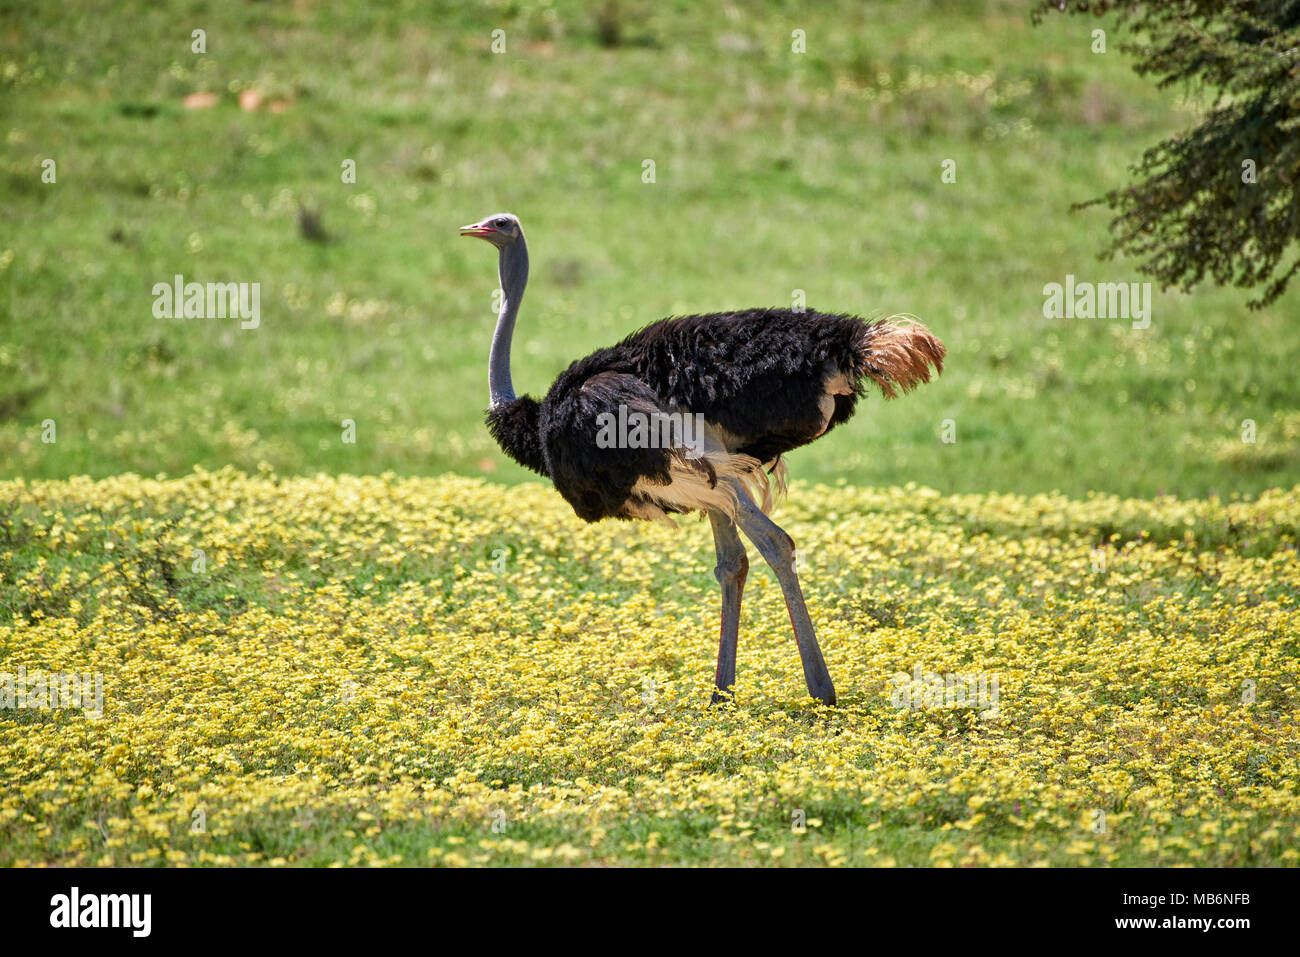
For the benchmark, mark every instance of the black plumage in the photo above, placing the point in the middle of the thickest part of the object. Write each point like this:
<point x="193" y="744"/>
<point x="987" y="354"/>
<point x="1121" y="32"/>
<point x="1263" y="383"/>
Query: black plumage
<point x="759" y="374"/>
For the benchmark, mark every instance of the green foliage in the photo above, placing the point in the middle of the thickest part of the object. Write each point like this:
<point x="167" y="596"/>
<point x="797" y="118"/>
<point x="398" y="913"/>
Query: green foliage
<point x="1219" y="199"/>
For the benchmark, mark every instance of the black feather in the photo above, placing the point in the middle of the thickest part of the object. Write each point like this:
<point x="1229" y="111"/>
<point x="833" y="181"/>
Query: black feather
<point x="515" y="427"/>
<point x="597" y="481"/>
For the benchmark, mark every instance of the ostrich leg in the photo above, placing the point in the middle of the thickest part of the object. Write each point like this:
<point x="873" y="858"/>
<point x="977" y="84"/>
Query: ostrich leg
<point x="777" y="549"/>
<point x="732" y="568"/>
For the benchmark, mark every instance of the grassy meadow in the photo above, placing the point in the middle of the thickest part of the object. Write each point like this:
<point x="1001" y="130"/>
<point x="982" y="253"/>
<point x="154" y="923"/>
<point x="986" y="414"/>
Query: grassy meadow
<point x="406" y="671"/>
<point x="774" y="171"/>
<point x="404" y="649"/>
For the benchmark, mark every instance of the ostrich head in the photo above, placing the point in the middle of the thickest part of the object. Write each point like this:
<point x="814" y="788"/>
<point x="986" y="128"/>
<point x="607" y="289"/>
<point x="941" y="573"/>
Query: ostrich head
<point x="501" y="229"/>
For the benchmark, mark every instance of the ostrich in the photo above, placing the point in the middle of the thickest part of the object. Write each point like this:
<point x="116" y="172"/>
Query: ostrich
<point x="759" y="383"/>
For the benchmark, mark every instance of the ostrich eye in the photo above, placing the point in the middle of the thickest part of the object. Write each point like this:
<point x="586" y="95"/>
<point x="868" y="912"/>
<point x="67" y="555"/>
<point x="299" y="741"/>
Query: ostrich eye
<point x="501" y="223"/>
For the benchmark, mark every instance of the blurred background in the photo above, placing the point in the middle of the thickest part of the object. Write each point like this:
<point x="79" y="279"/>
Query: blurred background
<point x="774" y="171"/>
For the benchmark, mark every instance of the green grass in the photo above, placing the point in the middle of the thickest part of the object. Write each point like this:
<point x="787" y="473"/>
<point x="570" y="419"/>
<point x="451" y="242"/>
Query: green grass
<point x="775" y="172"/>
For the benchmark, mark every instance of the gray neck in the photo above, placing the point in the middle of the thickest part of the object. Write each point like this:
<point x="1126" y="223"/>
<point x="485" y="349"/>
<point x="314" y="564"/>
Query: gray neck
<point x="512" y="269"/>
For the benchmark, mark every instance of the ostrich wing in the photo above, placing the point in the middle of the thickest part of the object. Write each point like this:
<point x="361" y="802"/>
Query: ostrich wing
<point x="604" y="466"/>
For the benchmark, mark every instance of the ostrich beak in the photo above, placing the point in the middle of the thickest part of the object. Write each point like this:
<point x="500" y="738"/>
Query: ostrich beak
<point x="477" y="229"/>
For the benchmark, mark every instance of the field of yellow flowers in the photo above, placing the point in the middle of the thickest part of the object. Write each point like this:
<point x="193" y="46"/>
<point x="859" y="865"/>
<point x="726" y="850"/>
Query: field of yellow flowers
<point x="371" y="671"/>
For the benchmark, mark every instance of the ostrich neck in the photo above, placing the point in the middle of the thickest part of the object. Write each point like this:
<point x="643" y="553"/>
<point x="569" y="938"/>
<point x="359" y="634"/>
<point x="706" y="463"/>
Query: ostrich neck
<point x="512" y="270"/>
